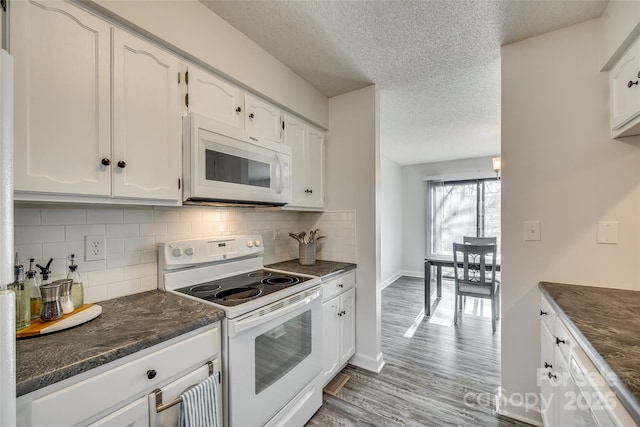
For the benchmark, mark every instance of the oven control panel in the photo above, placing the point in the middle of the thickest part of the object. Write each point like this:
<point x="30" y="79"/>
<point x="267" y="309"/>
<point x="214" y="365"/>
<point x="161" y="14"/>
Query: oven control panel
<point x="183" y="253"/>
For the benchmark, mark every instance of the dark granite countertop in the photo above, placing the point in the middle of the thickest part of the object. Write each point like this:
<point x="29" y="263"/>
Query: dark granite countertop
<point x="126" y="325"/>
<point x="322" y="268"/>
<point x="606" y="323"/>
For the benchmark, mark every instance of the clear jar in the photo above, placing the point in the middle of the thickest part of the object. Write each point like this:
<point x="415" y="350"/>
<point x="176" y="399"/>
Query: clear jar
<point x="77" y="290"/>
<point x="33" y="287"/>
<point x="23" y="299"/>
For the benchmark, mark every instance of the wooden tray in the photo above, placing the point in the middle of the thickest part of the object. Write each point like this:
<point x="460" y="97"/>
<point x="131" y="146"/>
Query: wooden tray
<point x="80" y="315"/>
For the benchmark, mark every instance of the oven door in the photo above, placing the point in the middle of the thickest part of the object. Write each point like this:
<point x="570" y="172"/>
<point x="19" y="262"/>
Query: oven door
<point x="225" y="169"/>
<point x="274" y="353"/>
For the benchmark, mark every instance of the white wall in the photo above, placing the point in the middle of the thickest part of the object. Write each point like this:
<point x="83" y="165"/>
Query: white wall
<point x="560" y="167"/>
<point x="414" y="203"/>
<point x="391" y="246"/>
<point x="193" y="29"/>
<point x="352" y="183"/>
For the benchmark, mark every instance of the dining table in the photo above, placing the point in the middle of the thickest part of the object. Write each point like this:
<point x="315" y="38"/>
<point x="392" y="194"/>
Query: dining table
<point x="439" y="261"/>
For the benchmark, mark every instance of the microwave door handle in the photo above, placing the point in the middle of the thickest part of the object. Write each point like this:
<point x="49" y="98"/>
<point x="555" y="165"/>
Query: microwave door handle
<point x="243" y="325"/>
<point x="279" y="174"/>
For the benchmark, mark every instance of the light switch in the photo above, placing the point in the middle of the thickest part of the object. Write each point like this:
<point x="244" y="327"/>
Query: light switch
<point x="532" y="230"/>
<point x="608" y="232"/>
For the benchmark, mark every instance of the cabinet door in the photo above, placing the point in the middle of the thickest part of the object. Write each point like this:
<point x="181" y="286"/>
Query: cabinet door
<point x="147" y="143"/>
<point x="330" y="338"/>
<point x="212" y="97"/>
<point x="347" y="326"/>
<point x="547" y="367"/>
<point x="264" y="121"/>
<point x="315" y="168"/>
<point x="625" y="98"/>
<point x="62" y="99"/>
<point x="135" y="414"/>
<point x="295" y="137"/>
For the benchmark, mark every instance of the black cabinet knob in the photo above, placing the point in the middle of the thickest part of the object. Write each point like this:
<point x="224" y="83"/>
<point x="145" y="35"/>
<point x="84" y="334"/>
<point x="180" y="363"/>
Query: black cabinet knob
<point x="340" y="314"/>
<point x="151" y="374"/>
<point x="543" y="313"/>
<point x="559" y="341"/>
<point x="251" y="116"/>
<point x="632" y="83"/>
<point x="552" y="376"/>
<point x="106" y="162"/>
<point x="122" y="164"/>
<point x="340" y="285"/>
<point x="238" y="110"/>
<point x="547" y="365"/>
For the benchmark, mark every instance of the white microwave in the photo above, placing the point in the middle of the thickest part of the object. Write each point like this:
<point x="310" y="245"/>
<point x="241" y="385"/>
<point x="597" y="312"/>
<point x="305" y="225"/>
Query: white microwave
<point x="221" y="170"/>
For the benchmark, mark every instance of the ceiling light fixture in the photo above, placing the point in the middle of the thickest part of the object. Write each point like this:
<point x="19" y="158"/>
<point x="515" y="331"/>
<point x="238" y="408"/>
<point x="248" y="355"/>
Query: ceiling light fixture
<point x="497" y="166"/>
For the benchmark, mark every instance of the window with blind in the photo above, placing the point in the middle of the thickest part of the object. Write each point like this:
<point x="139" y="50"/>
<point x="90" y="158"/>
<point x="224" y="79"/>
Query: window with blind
<point x="461" y="208"/>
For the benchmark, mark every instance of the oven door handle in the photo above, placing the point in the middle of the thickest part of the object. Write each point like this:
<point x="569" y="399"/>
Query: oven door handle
<point x="240" y="325"/>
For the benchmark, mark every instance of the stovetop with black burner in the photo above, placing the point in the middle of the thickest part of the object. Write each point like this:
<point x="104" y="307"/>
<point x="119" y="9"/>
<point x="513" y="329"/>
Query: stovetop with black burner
<point x="235" y="290"/>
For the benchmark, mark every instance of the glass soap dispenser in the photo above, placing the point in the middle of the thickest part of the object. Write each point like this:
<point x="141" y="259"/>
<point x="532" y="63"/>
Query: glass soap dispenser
<point x="77" y="291"/>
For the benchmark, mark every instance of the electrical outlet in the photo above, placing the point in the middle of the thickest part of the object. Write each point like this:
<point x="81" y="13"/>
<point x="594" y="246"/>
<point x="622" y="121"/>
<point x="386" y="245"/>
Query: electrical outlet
<point x="276" y="234"/>
<point x="94" y="248"/>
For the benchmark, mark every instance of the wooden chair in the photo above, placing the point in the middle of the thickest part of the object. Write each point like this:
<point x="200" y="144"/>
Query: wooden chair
<point x="474" y="268"/>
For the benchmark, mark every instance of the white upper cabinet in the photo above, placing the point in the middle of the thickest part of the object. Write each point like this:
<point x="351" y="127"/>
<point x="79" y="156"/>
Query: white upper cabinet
<point x="238" y="114"/>
<point x="264" y="121"/>
<point x="216" y="99"/>
<point x="307" y="159"/>
<point x="625" y="91"/>
<point x="62" y="99"/>
<point x="147" y="144"/>
<point x="97" y="115"/>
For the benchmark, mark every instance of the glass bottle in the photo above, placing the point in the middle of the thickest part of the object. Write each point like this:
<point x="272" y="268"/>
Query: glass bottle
<point x="33" y="285"/>
<point x="77" y="290"/>
<point x="23" y="298"/>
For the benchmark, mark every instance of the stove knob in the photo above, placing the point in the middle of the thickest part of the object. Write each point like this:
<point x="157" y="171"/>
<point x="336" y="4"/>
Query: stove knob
<point x="249" y="244"/>
<point x="257" y="243"/>
<point x="177" y="252"/>
<point x="188" y="250"/>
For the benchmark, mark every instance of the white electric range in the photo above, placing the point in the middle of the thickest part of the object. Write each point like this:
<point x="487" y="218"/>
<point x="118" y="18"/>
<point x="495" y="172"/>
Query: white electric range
<point x="272" y="333"/>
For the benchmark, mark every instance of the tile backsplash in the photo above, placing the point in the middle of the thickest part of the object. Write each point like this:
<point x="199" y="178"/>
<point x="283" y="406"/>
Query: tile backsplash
<point x="132" y="234"/>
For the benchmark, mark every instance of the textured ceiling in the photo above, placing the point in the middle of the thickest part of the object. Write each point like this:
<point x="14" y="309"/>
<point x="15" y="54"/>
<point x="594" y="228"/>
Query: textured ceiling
<point x="436" y="63"/>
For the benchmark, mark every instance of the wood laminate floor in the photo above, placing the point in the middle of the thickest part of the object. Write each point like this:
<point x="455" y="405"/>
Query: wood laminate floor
<point x="435" y="374"/>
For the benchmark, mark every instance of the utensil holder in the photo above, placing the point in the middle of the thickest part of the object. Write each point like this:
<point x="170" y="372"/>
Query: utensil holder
<point x="307" y="253"/>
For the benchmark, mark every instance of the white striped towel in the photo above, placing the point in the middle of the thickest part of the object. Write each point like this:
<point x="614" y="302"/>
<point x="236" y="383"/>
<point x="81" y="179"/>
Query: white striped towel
<point x="199" y="407"/>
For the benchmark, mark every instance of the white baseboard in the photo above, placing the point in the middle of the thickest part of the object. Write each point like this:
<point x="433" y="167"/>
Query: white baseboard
<point x="387" y="282"/>
<point x="369" y="363"/>
<point x="390" y="280"/>
<point x="525" y="413"/>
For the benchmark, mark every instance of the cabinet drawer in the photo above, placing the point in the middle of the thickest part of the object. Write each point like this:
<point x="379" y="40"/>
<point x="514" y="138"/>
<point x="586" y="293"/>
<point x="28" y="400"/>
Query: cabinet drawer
<point x="564" y="341"/>
<point x="339" y="284"/>
<point x="547" y="315"/>
<point x="87" y="398"/>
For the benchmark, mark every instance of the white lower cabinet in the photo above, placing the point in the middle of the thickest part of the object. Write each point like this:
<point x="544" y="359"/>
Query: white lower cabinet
<point x="338" y="306"/>
<point x="122" y="392"/>
<point x="135" y="414"/>
<point x="572" y="390"/>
